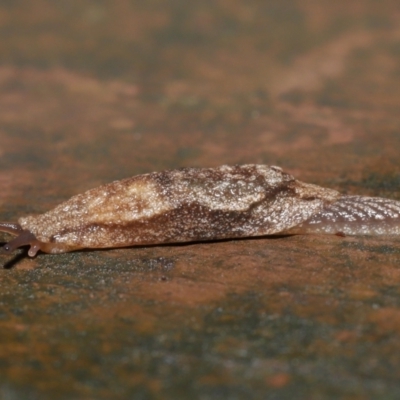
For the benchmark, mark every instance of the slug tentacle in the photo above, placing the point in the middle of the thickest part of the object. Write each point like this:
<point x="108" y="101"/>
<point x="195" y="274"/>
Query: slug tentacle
<point x="25" y="238"/>
<point x="10" y="227"/>
<point x="198" y="204"/>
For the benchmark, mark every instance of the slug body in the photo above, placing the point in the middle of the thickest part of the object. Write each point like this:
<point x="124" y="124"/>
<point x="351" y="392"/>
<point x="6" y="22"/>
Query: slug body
<point x="197" y="204"/>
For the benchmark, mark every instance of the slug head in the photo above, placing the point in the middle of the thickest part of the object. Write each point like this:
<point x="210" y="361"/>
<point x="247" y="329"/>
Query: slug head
<point x="24" y="238"/>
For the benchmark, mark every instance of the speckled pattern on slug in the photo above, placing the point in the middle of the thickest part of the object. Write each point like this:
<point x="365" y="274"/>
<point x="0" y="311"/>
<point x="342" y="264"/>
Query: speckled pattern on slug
<point x="181" y="205"/>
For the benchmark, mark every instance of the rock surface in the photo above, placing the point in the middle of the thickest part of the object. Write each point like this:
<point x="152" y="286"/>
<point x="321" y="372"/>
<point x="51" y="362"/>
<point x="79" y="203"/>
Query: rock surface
<point x="96" y="91"/>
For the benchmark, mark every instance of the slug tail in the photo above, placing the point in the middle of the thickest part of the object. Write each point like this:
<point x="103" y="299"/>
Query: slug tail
<point x="355" y="215"/>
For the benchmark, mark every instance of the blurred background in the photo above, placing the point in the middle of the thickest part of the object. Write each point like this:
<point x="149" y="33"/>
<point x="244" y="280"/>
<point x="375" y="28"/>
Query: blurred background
<point x="114" y="88"/>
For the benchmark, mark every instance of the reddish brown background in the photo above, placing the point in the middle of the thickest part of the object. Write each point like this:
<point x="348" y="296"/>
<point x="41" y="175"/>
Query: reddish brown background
<point x="92" y="91"/>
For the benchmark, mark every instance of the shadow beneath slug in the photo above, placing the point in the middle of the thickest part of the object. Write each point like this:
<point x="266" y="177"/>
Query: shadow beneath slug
<point x="15" y="260"/>
<point x="191" y="243"/>
<point x="23" y="254"/>
<point x="215" y="241"/>
<point x="188" y="243"/>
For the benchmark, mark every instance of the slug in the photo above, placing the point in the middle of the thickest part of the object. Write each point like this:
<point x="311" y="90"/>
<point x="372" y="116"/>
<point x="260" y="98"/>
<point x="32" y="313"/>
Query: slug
<point x="199" y="204"/>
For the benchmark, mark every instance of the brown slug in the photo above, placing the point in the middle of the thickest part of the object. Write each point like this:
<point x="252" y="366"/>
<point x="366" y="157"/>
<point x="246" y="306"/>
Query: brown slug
<point x="198" y="204"/>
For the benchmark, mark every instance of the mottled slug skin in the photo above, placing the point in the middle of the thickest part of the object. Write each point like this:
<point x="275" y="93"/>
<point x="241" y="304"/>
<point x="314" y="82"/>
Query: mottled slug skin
<point x="183" y="205"/>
